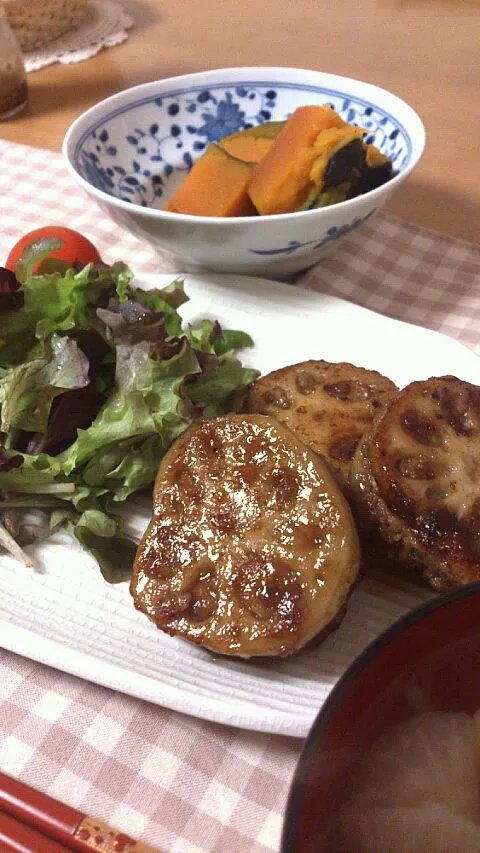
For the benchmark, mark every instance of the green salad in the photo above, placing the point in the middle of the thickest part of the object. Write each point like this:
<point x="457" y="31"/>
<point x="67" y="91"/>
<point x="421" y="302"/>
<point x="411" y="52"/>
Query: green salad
<point x="97" y="379"/>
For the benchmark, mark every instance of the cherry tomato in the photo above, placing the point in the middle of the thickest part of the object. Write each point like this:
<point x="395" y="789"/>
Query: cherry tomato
<point x="76" y="248"/>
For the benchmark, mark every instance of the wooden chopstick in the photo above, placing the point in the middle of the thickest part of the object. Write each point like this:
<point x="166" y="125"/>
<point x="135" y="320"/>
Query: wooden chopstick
<point x="18" y="837"/>
<point x="67" y="826"/>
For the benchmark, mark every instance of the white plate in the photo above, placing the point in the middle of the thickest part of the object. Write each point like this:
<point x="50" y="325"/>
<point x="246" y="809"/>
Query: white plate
<point x="65" y="615"/>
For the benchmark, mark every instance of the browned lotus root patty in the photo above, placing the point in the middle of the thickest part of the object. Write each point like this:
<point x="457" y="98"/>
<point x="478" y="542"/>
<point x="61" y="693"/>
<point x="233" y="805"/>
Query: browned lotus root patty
<point x="416" y="477"/>
<point x="252" y="548"/>
<point x="329" y="406"/>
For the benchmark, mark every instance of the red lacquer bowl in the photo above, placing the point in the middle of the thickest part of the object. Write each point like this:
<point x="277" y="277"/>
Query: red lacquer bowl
<point x="428" y="660"/>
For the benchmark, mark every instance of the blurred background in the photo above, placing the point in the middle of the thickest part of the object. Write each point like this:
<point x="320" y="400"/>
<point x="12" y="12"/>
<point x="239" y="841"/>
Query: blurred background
<point x="425" y="51"/>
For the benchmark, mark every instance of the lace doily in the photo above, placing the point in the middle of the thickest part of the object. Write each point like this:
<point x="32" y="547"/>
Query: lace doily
<point x="105" y="25"/>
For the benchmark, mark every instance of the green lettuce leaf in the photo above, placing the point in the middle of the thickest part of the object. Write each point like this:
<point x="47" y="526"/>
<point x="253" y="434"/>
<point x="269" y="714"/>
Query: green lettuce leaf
<point x="29" y="388"/>
<point x="167" y="300"/>
<point x="224" y="391"/>
<point x="94" y="330"/>
<point x="56" y="302"/>
<point x="232" y="340"/>
<point x="113" y="551"/>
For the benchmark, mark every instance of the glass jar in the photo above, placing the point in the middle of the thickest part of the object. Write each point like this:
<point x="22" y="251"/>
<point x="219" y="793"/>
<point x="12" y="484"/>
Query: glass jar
<point x="13" y="79"/>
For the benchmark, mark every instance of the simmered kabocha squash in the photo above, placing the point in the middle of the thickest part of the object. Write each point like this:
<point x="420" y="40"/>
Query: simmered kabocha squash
<point x="252" y="143"/>
<point x="215" y="186"/>
<point x="378" y="171"/>
<point x="312" y="159"/>
<point x="354" y="168"/>
<point x="281" y="182"/>
<point x="335" y="166"/>
<point x="252" y="549"/>
<point x="338" y="167"/>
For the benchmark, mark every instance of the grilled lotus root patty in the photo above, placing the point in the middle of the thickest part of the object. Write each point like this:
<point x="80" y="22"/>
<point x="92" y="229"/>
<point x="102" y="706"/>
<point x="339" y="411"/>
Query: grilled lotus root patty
<point x="416" y="478"/>
<point x="329" y="406"/>
<point x="252" y="548"/>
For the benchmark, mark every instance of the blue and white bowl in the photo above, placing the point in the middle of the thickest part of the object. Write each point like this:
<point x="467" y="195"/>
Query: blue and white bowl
<point x="131" y="151"/>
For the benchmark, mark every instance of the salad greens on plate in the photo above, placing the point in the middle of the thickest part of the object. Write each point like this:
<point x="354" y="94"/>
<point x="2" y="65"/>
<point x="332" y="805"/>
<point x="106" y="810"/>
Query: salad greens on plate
<point x="97" y="379"/>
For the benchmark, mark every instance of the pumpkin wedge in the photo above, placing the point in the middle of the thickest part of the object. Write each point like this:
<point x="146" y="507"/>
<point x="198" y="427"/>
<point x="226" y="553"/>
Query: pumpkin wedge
<point x="215" y="186"/>
<point x="281" y="182"/>
<point x="252" y="143"/>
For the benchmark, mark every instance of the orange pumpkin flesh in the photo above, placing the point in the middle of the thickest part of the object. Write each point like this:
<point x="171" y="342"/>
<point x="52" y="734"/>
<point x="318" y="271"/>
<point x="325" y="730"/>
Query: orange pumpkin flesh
<point x="215" y="186"/>
<point x="281" y="182"/>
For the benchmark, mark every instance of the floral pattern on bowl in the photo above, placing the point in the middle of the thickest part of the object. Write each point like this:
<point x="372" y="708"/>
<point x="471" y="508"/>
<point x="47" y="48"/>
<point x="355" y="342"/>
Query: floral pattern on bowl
<point x="144" y="165"/>
<point x="333" y="233"/>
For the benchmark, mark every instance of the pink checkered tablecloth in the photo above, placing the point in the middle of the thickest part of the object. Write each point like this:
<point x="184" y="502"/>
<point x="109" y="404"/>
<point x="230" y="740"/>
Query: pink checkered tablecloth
<point x="180" y="784"/>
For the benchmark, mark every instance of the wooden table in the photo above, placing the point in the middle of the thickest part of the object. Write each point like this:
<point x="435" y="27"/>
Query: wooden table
<point x="426" y="52"/>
